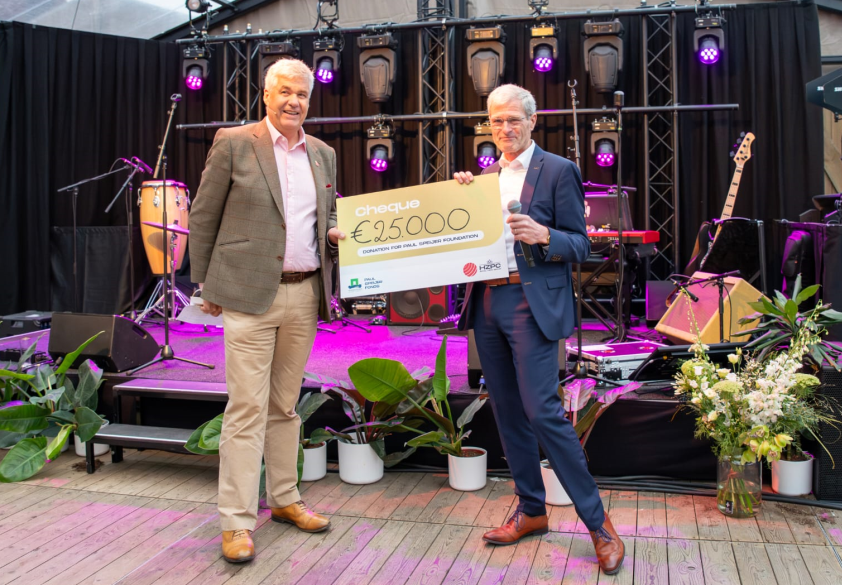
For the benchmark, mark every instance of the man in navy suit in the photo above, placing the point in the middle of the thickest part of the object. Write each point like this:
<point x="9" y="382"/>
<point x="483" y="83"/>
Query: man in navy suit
<point x="518" y="322"/>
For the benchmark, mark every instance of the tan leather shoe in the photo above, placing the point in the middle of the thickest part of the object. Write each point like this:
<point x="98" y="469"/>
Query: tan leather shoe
<point x="518" y="526"/>
<point x="610" y="550"/>
<point x="237" y="546"/>
<point x="303" y="517"/>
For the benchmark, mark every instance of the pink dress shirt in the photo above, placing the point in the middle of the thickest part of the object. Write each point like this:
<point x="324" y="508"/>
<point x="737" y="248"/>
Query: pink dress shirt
<point x="300" y="202"/>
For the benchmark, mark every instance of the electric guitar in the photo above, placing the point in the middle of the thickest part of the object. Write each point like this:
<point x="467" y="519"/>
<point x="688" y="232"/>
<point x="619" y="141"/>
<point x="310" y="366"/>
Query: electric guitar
<point x="706" y="238"/>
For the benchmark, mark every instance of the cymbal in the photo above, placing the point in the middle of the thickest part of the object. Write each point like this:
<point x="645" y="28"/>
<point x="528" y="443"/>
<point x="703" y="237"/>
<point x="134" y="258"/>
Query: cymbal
<point x="170" y="228"/>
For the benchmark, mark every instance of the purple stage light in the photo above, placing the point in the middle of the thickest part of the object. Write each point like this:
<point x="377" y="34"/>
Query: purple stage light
<point x="709" y="51"/>
<point x="604" y="153"/>
<point x="486" y="154"/>
<point x="543" y="60"/>
<point x="379" y="158"/>
<point x="324" y="70"/>
<point x="379" y="164"/>
<point x="486" y="161"/>
<point x="194" y="82"/>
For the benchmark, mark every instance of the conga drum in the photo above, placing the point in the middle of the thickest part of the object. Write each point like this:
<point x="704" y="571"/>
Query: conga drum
<point x="151" y="204"/>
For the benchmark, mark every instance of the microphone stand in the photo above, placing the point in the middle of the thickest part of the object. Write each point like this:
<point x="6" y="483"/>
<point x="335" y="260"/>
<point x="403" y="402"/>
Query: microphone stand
<point x="719" y="279"/>
<point x="580" y="370"/>
<point x="129" y="221"/>
<point x="74" y="191"/>
<point x="167" y="353"/>
<point x="620" y="334"/>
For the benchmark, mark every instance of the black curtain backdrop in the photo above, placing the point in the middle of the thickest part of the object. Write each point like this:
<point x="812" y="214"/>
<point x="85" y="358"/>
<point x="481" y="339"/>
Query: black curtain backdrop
<point x="72" y="102"/>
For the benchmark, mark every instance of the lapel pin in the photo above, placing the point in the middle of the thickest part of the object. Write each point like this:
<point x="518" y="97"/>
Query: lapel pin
<point x="317" y="164"/>
<point x="328" y="186"/>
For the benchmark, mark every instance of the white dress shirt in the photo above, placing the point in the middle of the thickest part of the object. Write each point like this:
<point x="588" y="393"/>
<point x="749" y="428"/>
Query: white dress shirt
<point x="512" y="177"/>
<point x="300" y="202"/>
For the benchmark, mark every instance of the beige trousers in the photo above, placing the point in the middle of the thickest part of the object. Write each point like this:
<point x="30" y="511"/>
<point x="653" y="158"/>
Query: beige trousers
<point x="265" y="356"/>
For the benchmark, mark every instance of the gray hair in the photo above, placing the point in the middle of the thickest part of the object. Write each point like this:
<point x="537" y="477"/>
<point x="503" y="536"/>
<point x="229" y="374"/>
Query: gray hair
<point x="291" y="69"/>
<point x="513" y="93"/>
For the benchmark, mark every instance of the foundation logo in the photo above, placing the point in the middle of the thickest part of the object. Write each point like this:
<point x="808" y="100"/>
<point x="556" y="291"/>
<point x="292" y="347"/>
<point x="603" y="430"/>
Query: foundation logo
<point x="489" y="266"/>
<point x="355" y="283"/>
<point x="469" y="269"/>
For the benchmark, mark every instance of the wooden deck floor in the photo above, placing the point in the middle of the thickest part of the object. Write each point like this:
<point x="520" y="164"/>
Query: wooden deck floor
<point x="152" y="519"/>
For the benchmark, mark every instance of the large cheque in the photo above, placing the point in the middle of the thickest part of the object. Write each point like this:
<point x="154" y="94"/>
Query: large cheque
<point x="416" y="237"/>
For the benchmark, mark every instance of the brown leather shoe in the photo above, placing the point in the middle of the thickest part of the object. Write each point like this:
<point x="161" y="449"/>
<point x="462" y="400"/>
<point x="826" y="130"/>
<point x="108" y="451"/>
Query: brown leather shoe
<point x="300" y="515"/>
<point x="610" y="550"/>
<point x="237" y="546"/>
<point x="518" y="526"/>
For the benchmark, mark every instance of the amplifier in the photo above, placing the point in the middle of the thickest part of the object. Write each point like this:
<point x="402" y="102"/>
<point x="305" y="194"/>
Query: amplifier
<point x="26" y="322"/>
<point x="827" y="481"/>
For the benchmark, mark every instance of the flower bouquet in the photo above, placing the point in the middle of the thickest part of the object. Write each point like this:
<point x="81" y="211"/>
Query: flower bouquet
<point x="751" y="410"/>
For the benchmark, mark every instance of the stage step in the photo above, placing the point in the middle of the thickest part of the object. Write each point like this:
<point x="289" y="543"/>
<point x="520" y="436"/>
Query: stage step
<point x="145" y="437"/>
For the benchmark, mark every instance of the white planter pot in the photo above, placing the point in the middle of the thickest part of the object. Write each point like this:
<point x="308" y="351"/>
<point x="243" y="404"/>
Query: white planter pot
<point x="359" y="464"/>
<point x="467" y="474"/>
<point x="556" y="495"/>
<point x="99" y="449"/>
<point x="792" y="478"/>
<point x="315" y="463"/>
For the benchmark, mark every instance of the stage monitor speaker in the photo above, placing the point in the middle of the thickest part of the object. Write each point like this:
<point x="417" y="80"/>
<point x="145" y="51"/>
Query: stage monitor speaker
<point x="676" y="324"/>
<point x="827" y="481"/>
<point x="425" y="306"/>
<point x="475" y="369"/>
<point x="123" y="345"/>
<point x="657" y="292"/>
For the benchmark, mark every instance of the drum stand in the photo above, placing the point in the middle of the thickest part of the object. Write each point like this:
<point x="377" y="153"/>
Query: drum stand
<point x="167" y="353"/>
<point x="166" y="288"/>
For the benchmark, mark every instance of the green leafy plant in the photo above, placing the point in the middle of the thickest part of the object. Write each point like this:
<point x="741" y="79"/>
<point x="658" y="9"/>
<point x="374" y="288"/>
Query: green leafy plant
<point x="584" y="405"/>
<point x="374" y="414"/>
<point x="46" y="402"/>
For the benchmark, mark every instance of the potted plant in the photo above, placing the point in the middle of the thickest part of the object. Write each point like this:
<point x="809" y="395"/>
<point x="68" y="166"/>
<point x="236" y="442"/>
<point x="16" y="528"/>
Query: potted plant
<point x="312" y="463"/>
<point x="362" y="452"/>
<point x="748" y="410"/>
<point x="579" y="396"/>
<point x="46" y="402"/>
<point x="420" y="397"/>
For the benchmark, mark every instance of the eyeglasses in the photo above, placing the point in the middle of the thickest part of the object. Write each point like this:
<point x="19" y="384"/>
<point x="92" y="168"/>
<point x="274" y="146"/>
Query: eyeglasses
<point x="513" y="122"/>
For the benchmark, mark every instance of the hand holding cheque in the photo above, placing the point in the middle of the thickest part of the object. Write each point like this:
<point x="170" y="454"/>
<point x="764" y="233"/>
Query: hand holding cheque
<point x="423" y="236"/>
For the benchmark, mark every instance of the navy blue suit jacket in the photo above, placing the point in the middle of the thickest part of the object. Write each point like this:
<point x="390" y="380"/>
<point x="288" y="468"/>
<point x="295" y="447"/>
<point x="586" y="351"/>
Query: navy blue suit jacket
<point x="553" y="196"/>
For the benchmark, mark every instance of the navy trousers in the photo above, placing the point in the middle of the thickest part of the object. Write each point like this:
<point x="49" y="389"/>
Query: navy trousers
<point x="520" y="366"/>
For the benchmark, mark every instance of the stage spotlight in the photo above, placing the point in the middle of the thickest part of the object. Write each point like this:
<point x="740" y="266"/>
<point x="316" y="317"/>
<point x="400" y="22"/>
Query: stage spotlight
<point x="486" y="58"/>
<point x="380" y="147"/>
<point x="194" y="67"/>
<point x="543" y="48"/>
<point x="485" y="151"/>
<point x="709" y="39"/>
<point x="197" y="5"/>
<point x="604" y="139"/>
<point x="378" y="65"/>
<point x="271" y="52"/>
<point x="603" y="54"/>
<point x="326" y="59"/>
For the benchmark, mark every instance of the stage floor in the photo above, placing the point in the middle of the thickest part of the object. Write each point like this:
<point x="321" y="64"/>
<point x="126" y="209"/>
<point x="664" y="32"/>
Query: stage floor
<point x="152" y="520"/>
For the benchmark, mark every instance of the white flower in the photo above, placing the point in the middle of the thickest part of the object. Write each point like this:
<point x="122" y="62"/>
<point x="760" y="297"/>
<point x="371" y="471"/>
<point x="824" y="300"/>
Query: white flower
<point x="732" y="377"/>
<point x="698" y="370"/>
<point x="693" y="384"/>
<point x="696" y="400"/>
<point x="723" y="372"/>
<point x="709" y="393"/>
<point x="713" y="415"/>
<point x="733" y="358"/>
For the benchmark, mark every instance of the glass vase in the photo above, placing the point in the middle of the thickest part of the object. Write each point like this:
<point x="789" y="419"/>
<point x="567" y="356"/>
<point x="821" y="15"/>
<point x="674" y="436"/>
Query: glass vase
<point x="738" y="487"/>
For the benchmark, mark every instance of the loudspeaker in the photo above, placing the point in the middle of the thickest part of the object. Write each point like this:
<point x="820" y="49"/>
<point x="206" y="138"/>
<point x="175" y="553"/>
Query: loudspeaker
<point x="26" y="322"/>
<point x="657" y="292"/>
<point x="475" y="369"/>
<point x="827" y="481"/>
<point x="425" y="306"/>
<point x="676" y="324"/>
<point x="123" y="345"/>
<point x="798" y="259"/>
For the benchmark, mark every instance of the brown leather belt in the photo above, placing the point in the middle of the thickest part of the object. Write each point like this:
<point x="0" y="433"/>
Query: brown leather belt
<point x="514" y="278"/>
<point x="294" y="277"/>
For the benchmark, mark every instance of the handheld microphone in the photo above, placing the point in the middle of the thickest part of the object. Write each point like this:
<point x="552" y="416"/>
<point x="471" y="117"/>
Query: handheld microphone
<point x="176" y="97"/>
<point x="128" y="162"/>
<point x="514" y="206"/>
<point x="143" y="165"/>
<point x="680" y="285"/>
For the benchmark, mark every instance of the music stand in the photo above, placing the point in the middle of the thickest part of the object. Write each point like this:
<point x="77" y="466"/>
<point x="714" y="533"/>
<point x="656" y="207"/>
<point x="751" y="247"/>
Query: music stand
<point x="167" y="353"/>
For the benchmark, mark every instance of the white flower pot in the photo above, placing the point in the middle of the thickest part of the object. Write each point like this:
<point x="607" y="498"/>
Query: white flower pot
<point x="359" y="464"/>
<point x="467" y="474"/>
<point x="792" y="478"/>
<point x="99" y="448"/>
<point x="556" y="495"/>
<point x="315" y="463"/>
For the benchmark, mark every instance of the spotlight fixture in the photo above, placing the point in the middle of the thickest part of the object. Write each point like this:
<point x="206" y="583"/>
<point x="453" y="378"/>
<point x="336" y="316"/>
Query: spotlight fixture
<point x="380" y="147"/>
<point x="194" y="67"/>
<point x="603" y="54"/>
<point x="486" y="58"/>
<point x="197" y="5"/>
<point x="485" y="151"/>
<point x="377" y="65"/>
<point x="326" y="59"/>
<point x="272" y="52"/>
<point x="709" y="39"/>
<point x="543" y="47"/>
<point x="604" y="139"/>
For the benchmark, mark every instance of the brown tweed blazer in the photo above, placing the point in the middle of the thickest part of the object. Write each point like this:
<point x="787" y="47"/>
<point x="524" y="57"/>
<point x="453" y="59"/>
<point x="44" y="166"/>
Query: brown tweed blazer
<point x="237" y="228"/>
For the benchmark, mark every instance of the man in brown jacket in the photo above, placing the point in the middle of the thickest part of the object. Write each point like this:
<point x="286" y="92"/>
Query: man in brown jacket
<point x="263" y="237"/>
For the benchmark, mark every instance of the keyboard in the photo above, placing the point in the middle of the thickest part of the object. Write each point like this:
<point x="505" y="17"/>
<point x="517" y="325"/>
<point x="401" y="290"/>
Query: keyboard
<point x="629" y="237"/>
